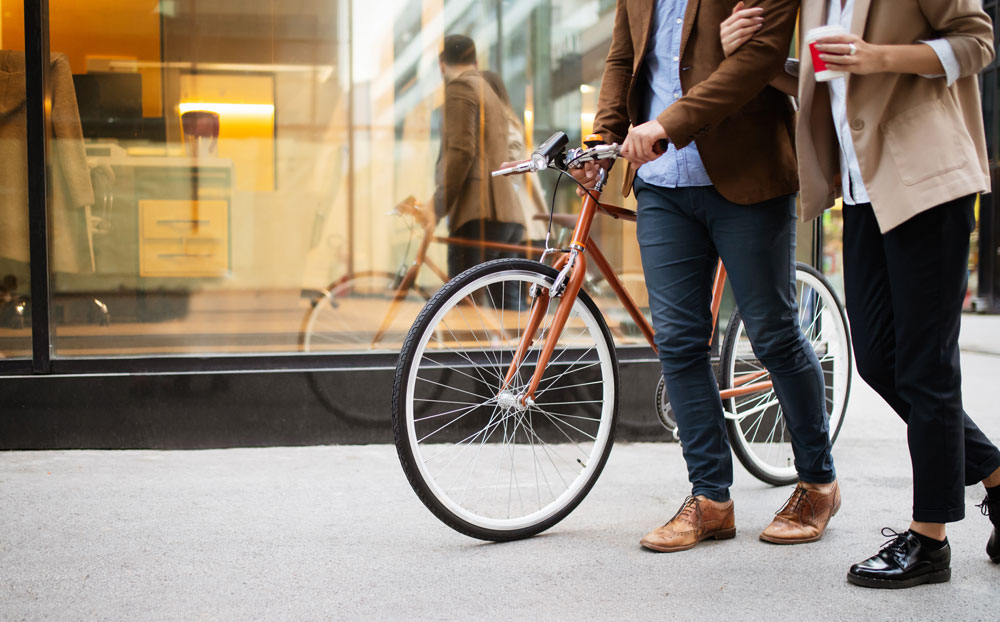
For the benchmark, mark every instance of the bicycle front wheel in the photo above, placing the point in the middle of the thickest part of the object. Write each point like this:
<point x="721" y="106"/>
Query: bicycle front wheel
<point x="755" y="422"/>
<point x="480" y="459"/>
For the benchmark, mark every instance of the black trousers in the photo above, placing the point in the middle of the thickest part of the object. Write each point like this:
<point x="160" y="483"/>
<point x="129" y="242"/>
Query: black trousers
<point x="461" y="258"/>
<point x="904" y="299"/>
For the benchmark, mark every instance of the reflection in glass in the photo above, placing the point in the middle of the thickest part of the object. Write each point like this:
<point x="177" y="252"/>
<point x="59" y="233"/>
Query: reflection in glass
<point x="15" y="290"/>
<point x="252" y="179"/>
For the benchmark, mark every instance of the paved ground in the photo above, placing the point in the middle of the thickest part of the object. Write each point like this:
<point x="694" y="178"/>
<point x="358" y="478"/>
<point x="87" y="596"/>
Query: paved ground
<point x="335" y="533"/>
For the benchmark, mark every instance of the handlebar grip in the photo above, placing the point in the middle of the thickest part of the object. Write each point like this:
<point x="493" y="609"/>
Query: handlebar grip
<point x="512" y="168"/>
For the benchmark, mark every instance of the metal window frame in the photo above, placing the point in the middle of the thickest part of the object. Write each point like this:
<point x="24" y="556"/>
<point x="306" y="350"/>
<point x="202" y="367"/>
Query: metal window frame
<point x="987" y="298"/>
<point x="39" y="105"/>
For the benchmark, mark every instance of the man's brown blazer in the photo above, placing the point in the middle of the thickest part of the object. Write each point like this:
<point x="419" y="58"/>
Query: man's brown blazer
<point x="473" y="144"/>
<point x="743" y="128"/>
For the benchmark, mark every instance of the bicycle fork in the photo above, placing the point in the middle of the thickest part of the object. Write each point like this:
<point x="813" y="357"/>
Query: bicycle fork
<point x="572" y="270"/>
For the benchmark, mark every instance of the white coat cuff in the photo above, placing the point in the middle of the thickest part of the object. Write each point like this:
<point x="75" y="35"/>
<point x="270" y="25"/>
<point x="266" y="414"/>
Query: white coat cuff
<point x="948" y="60"/>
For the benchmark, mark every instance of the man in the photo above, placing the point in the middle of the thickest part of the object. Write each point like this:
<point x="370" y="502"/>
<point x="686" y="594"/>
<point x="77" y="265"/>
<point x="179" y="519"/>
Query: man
<point x="724" y="188"/>
<point x="474" y="140"/>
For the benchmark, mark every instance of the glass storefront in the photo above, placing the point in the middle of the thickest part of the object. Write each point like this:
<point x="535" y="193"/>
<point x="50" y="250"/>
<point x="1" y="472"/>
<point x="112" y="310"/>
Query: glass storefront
<point x="249" y="178"/>
<point x="238" y="193"/>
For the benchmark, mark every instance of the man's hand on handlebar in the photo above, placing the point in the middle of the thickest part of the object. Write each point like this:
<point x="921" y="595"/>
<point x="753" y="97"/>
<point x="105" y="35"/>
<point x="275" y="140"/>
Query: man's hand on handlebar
<point x="644" y="143"/>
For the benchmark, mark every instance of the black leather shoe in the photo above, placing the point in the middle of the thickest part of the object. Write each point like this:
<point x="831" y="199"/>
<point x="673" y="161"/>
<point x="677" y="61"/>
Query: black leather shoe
<point x="992" y="509"/>
<point x="902" y="562"/>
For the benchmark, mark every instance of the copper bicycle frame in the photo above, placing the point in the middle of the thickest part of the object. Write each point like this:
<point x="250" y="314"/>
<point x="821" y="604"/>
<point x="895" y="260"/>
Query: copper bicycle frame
<point x="582" y="242"/>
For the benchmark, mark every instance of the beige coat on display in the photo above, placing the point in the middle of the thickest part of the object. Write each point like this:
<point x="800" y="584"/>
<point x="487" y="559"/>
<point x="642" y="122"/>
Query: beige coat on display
<point x="70" y="189"/>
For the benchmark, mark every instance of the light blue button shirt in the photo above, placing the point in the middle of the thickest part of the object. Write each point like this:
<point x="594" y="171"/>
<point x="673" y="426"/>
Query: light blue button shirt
<point x="677" y="168"/>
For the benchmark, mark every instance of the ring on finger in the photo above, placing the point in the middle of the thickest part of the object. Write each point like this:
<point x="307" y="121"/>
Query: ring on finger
<point x="852" y="49"/>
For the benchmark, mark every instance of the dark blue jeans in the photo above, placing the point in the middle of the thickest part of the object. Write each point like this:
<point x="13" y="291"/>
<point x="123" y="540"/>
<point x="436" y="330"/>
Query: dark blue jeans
<point x="682" y="233"/>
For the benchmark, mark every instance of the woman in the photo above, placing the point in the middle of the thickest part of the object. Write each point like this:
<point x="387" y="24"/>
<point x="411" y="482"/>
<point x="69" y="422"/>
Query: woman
<point x="527" y="188"/>
<point x="902" y="141"/>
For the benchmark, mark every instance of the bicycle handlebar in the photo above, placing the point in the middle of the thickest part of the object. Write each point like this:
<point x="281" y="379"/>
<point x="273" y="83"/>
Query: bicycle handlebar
<point x="573" y="158"/>
<point x="410" y="206"/>
<point x="550" y="153"/>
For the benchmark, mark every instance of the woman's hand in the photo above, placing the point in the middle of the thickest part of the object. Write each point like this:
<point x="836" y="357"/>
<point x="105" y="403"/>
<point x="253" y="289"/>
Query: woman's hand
<point x="740" y="27"/>
<point x="852" y="54"/>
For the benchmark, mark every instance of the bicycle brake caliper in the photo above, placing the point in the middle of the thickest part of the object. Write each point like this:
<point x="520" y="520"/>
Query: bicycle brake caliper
<point x="560" y="283"/>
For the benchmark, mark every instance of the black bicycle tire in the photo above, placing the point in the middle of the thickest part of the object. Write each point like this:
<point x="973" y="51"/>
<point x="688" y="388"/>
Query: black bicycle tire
<point x="725" y="382"/>
<point x="405" y="451"/>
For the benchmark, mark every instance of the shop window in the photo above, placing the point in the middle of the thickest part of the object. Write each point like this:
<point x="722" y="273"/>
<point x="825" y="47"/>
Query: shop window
<point x="257" y="178"/>
<point x="15" y="287"/>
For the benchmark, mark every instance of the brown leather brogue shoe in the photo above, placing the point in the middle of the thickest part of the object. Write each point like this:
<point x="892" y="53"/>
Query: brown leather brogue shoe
<point x="698" y="519"/>
<point x="804" y="517"/>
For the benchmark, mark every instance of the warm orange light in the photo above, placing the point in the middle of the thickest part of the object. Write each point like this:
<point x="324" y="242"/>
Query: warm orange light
<point x="258" y="110"/>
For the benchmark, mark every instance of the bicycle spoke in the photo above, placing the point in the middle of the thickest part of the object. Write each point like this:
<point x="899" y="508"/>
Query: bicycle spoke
<point x="462" y="416"/>
<point x="482" y="397"/>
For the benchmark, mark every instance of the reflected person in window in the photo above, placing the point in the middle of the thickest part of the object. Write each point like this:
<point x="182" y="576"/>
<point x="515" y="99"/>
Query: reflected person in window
<point x="529" y="191"/>
<point x="724" y="187"/>
<point x="474" y="142"/>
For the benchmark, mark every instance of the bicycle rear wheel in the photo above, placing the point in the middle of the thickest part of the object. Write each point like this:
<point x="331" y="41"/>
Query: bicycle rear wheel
<point x="480" y="460"/>
<point x="755" y="422"/>
<point x="345" y="318"/>
<point x="358" y="300"/>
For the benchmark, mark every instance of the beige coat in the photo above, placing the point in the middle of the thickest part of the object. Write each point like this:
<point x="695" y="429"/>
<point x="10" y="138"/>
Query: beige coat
<point x="69" y="182"/>
<point x="919" y="142"/>
<point x="473" y="144"/>
<point x="527" y="188"/>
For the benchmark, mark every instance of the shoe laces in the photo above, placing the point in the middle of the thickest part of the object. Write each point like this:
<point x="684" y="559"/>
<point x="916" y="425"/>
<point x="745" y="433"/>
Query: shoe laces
<point x="691" y="504"/>
<point x="991" y="509"/>
<point x="795" y="502"/>
<point x="896" y="544"/>
<point x="984" y="507"/>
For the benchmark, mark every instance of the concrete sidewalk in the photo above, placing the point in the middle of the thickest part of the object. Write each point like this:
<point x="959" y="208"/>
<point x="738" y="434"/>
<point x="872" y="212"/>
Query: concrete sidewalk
<point x="980" y="334"/>
<point x="326" y="533"/>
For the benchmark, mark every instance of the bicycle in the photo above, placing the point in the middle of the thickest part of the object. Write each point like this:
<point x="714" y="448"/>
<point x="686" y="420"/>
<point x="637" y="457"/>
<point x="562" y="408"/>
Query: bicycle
<point x="504" y="416"/>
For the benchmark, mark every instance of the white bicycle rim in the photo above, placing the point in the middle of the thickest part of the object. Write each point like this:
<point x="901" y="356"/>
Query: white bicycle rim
<point x="827" y="333"/>
<point x="333" y="322"/>
<point x="587" y="468"/>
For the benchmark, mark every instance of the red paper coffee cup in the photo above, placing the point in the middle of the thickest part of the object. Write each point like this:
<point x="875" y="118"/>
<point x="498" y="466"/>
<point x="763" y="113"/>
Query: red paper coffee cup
<point x="819" y="66"/>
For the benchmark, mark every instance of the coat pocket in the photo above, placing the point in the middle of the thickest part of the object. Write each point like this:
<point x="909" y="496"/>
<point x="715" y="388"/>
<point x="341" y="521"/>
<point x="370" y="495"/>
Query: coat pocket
<point x="926" y="141"/>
